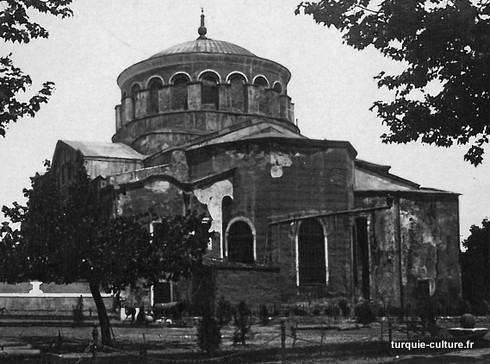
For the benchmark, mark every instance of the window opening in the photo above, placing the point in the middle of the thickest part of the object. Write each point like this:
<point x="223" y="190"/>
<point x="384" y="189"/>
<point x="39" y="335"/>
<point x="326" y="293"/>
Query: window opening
<point x="261" y="82"/>
<point x="179" y="92"/>
<point x="240" y="243"/>
<point x="237" y="81"/>
<point x="278" y="87"/>
<point x="361" y="257"/>
<point x="311" y="254"/>
<point x="155" y="85"/>
<point x="209" y="91"/>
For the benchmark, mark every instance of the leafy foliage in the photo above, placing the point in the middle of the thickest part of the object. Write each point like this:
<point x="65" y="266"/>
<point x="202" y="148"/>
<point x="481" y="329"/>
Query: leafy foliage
<point x="242" y="321"/>
<point x="443" y="95"/>
<point x="67" y="235"/>
<point x="364" y="313"/>
<point x="16" y="26"/>
<point x="223" y="311"/>
<point x="475" y="264"/>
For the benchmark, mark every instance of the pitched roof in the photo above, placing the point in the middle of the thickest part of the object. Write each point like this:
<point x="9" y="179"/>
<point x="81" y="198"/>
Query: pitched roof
<point x="104" y="150"/>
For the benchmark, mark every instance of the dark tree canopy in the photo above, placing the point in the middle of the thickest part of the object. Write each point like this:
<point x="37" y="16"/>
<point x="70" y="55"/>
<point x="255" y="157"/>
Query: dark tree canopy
<point x="443" y="95"/>
<point x="68" y="234"/>
<point x="475" y="264"/>
<point x="16" y="26"/>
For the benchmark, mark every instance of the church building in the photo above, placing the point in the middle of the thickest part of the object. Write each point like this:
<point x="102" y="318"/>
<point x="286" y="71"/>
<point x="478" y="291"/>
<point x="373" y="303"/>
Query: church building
<point x="208" y="126"/>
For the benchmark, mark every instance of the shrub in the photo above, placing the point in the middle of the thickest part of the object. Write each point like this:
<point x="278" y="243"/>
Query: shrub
<point x="344" y="307"/>
<point x="364" y="313"/>
<point x="208" y="332"/>
<point x="223" y="311"/>
<point x="263" y="315"/>
<point x="316" y="311"/>
<point x="332" y="310"/>
<point x="299" y="311"/>
<point x="242" y="322"/>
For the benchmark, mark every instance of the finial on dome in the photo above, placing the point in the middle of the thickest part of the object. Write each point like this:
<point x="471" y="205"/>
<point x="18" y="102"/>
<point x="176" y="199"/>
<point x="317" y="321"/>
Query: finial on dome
<point x="202" y="29"/>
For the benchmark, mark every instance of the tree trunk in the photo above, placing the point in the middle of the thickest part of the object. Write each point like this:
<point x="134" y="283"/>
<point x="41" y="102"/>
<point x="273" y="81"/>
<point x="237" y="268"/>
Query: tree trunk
<point x="105" y="328"/>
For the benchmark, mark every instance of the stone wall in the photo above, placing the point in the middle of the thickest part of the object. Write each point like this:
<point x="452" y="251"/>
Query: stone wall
<point x="48" y="299"/>
<point x="255" y="286"/>
<point x="426" y="237"/>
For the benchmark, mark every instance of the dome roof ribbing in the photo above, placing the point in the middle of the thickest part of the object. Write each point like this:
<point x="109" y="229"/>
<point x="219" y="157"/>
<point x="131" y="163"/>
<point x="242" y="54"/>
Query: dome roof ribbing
<point x="205" y="46"/>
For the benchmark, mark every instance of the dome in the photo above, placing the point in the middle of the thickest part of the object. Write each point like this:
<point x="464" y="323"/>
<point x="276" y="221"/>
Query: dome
<point x="205" y="46"/>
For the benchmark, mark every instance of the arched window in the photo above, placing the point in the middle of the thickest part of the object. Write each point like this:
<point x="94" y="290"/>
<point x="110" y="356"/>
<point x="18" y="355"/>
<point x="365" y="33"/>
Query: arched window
<point x="261" y="81"/>
<point x="237" y="91"/>
<point x="179" y="91"/>
<point x="311" y="254"/>
<point x="180" y="79"/>
<point x="154" y="85"/>
<point x="240" y="243"/>
<point x="135" y="89"/>
<point x="277" y="87"/>
<point x="209" y="90"/>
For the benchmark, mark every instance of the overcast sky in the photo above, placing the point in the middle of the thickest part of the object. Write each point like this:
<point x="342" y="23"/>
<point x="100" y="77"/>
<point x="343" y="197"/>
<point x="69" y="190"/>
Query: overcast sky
<point x="332" y="85"/>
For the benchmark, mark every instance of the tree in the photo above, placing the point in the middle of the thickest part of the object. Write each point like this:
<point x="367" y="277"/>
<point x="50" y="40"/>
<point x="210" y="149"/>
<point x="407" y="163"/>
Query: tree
<point x="68" y="235"/>
<point x="475" y="264"/>
<point x="242" y="321"/>
<point x="16" y="26"/>
<point x="442" y="97"/>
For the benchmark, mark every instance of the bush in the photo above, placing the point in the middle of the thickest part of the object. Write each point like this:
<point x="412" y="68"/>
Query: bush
<point x="223" y="311"/>
<point x="263" y="315"/>
<point x="299" y="311"/>
<point x="208" y="332"/>
<point x="242" y="321"/>
<point x="316" y="311"/>
<point x="364" y="313"/>
<point x="332" y="310"/>
<point x="344" y="307"/>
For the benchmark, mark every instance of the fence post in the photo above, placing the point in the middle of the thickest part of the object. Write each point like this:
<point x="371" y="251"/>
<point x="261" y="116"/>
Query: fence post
<point x="293" y="334"/>
<point x="322" y="332"/>
<point x="389" y="331"/>
<point x="283" y="342"/>
<point x="95" y="342"/>
<point x="408" y="328"/>
<point x="381" y="333"/>
<point x="143" y="347"/>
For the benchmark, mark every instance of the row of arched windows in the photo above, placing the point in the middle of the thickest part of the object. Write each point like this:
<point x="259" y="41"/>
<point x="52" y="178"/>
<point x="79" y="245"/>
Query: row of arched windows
<point x="209" y="90"/>
<point x="184" y="78"/>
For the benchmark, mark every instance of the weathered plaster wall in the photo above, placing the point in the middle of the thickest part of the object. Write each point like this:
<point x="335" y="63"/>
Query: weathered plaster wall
<point x="429" y="241"/>
<point x="271" y="180"/>
<point x="430" y="247"/>
<point x="212" y="197"/>
<point x="161" y="196"/>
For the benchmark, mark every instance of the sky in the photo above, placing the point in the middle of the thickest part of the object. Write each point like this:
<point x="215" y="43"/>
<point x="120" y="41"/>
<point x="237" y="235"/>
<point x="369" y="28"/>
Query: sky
<point x="332" y="86"/>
